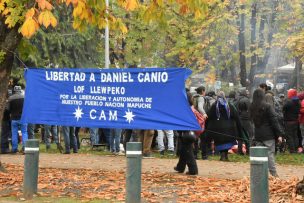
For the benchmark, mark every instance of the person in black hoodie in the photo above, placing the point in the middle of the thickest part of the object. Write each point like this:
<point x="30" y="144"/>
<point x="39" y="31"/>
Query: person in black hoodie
<point x="242" y="104"/>
<point x="291" y="111"/>
<point x="267" y="128"/>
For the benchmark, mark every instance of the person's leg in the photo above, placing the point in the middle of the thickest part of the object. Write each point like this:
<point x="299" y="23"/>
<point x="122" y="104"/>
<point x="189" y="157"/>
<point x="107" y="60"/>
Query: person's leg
<point x="107" y="134"/>
<point x="23" y="128"/>
<point x="290" y="135"/>
<point x="170" y="136"/>
<point x="148" y="138"/>
<point x="47" y="133"/>
<point x="14" y="126"/>
<point x="94" y="136"/>
<point x="160" y="141"/>
<point x="204" y="146"/>
<point x="30" y="130"/>
<point x="182" y="161"/>
<point x="66" y="137"/>
<point x="302" y="133"/>
<point x="127" y="137"/>
<point x="112" y="138"/>
<point x="77" y="129"/>
<point x="5" y="133"/>
<point x="73" y="141"/>
<point x="117" y="139"/>
<point x="191" y="162"/>
<point x="270" y="144"/>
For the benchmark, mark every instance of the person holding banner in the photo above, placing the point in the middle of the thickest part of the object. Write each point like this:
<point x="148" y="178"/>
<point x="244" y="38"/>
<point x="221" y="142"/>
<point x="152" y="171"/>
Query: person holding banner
<point x="69" y="139"/>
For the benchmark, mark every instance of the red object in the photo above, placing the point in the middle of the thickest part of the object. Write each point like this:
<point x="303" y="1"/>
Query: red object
<point x="201" y="121"/>
<point x="291" y="93"/>
<point x="301" y="95"/>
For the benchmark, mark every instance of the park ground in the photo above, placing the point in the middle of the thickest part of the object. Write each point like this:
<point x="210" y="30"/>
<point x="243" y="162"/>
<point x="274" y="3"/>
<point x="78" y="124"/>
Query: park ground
<point x="101" y="178"/>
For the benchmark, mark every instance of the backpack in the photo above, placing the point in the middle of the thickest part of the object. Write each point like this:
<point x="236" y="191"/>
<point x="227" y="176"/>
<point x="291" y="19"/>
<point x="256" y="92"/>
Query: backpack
<point x="201" y="121"/>
<point x="207" y="104"/>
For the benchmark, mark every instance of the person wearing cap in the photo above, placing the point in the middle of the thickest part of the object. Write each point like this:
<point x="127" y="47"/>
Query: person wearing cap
<point x="15" y="106"/>
<point x="291" y="110"/>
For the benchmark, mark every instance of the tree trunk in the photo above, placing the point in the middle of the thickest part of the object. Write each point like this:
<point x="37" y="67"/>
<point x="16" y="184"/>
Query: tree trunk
<point x="9" y="40"/>
<point x="241" y="36"/>
<point x="261" y="42"/>
<point x="253" y="61"/>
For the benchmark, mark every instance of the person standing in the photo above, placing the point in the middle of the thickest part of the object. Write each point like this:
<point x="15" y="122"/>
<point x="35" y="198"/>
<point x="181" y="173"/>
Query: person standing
<point x="48" y="131"/>
<point x="267" y="128"/>
<point x="291" y="111"/>
<point x="160" y="140"/>
<point x="185" y="143"/>
<point x="15" y="106"/>
<point x="115" y="140"/>
<point x="223" y="125"/>
<point x="69" y="139"/>
<point x="242" y="105"/>
<point x="5" y="130"/>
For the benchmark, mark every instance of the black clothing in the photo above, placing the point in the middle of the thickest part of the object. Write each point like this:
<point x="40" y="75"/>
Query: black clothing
<point x="223" y="130"/>
<point x="5" y="135"/>
<point x="186" y="156"/>
<point x="267" y="127"/>
<point x="292" y="137"/>
<point x="291" y="110"/>
<point x="15" y="105"/>
<point x="243" y="104"/>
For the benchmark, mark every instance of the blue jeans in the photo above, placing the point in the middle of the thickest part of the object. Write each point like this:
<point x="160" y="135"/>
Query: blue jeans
<point x="69" y="139"/>
<point x="16" y="124"/>
<point x="107" y="134"/>
<point x="94" y="136"/>
<point x="115" y="140"/>
<point x="48" y="130"/>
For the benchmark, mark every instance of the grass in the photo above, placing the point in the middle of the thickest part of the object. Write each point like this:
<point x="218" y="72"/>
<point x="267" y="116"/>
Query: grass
<point x="49" y="200"/>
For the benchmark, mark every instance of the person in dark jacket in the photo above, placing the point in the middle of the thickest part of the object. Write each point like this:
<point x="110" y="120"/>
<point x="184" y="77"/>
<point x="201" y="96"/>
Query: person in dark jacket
<point x="267" y="128"/>
<point x="223" y="125"/>
<point x="291" y="111"/>
<point x="15" y="106"/>
<point x="5" y="130"/>
<point x="242" y="104"/>
<point x="186" y="154"/>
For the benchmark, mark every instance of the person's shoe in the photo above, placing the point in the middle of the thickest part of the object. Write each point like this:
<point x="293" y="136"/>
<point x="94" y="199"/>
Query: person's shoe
<point x="14" y="151"/>
<point x="171" y="153"/>
<point x="48" y="148"/>
<point x="66" y="152"/>
<point x="5" y="151"/>
<point x="178" y="171"/>
<point x="275" y="175"/>
<point x="162" y="152"/>
<point x="147" y="156"/>
<point x="204" y="157"/>
<point x="75" y="151"/>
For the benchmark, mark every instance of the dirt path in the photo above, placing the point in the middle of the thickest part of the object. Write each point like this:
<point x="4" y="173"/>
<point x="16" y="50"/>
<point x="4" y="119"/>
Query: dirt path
<point x="210" y="169"/>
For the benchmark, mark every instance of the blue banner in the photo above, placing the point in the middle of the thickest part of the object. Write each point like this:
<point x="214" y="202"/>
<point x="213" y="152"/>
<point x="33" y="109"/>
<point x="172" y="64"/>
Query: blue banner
<point x="136" y="98"/>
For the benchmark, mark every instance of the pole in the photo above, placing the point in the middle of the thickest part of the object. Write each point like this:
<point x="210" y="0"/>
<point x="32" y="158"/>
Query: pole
<point x="259" y="175"/>
<point x="107" y="57"/>
<point x="133" y="179"/>
<point x="31" y="160"/>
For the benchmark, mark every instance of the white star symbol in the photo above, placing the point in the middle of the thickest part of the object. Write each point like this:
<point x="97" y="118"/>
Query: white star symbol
<point x="129" y="116"/>
<point x="78" y="113"/>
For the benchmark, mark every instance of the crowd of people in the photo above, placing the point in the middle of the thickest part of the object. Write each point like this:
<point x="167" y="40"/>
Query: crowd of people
<point x="239" y="120"/>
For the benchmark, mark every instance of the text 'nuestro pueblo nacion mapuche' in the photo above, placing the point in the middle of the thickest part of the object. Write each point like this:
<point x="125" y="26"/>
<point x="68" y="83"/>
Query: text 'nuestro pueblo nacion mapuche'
<point x="101" y="96"/>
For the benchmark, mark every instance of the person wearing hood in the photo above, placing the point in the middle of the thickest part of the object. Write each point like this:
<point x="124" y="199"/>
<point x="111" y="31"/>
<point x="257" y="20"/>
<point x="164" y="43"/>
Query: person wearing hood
<point x="223" y="125"/>
<point x="291" y="110"/>
<point x="242" y="105"/>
